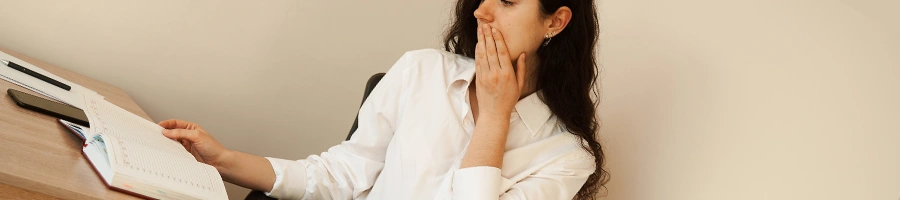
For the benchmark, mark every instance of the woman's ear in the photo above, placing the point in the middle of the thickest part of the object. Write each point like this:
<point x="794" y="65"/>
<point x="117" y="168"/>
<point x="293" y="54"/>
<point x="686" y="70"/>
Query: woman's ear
<point x="558" y="20"/>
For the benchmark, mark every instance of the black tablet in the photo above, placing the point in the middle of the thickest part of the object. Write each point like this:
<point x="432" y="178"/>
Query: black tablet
<point x="48" y="107"/>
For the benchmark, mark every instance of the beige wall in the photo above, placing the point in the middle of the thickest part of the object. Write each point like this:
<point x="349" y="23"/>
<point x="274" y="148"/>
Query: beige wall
<point x="765" y="99"/>
<point x="703" y="99"/>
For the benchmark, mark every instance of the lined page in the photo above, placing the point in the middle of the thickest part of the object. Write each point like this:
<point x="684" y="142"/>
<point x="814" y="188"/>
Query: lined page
<point x="109" y="119"/>
<point x="171" y="173"/>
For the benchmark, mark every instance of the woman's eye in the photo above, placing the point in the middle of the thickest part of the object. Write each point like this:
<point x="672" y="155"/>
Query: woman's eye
<point x="505" y="2"/>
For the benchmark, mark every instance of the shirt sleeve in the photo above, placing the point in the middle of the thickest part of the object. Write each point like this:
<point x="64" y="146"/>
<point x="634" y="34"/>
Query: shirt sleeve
<point x="557" y="181"/>
<point x="348" y="170"/>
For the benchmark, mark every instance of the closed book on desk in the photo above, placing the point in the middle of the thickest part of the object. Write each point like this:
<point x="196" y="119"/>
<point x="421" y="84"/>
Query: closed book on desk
<point x="131" y="155"/>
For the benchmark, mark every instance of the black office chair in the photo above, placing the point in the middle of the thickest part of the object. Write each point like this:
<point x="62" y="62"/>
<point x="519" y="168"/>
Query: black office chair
<point x="370" y="85"/>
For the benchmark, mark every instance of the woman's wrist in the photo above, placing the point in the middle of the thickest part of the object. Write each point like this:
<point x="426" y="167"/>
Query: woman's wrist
<point x="488" y="141"/>
<point x="493" y="122"/>
<point x="223" y="161"/>
<point x="245" y="170"/>
<point x="495" y="114"/>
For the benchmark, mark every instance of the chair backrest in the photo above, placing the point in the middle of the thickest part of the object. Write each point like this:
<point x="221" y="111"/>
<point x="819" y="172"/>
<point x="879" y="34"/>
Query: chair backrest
<point x="370" y="85"/>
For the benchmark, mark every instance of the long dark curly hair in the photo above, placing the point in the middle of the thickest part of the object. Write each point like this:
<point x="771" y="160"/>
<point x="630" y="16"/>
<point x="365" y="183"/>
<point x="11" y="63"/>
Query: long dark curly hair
<point x="566" y="75"/>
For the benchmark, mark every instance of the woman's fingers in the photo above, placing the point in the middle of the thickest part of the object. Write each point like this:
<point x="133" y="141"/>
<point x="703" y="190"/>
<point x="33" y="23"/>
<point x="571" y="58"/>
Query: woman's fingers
<point x="178" y="124"/>
<point x="498" y="88"/>
<point x="186" y="144"/>
<point x="480" y="60"/>
<point x="182" y="134"/>
<point x="491" y="48"/>
<point x="502" y="52"/>
<point x="520" y="72"/>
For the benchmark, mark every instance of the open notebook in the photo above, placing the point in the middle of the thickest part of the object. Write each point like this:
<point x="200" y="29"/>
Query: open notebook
<point x="131" y="155"/>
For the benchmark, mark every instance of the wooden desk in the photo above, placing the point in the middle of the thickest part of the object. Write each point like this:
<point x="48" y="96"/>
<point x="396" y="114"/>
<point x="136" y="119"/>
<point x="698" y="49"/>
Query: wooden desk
<point x="39" y="159"/>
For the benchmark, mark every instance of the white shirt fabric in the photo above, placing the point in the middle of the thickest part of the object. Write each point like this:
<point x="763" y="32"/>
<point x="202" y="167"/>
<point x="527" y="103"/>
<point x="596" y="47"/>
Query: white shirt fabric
<point x="413" y="132"/>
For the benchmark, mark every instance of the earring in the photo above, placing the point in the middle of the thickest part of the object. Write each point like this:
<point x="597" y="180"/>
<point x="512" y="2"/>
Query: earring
<point x="548" y="37"/>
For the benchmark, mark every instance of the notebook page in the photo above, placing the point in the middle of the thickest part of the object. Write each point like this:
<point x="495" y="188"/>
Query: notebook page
<point x="186" y="176"/>
<point x="109" y="119"/>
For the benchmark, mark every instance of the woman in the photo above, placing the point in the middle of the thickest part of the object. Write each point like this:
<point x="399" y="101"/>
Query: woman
<point x="508" y="114"/>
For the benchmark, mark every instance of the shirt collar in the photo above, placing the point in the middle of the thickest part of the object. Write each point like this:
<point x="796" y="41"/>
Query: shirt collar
<point x="533" y="112"/>
<point x="462" y="75"/>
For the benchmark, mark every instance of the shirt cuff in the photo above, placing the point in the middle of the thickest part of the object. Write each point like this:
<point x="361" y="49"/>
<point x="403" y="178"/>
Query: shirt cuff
<point x="482" y="182"/>
<point x="290" y="179"/>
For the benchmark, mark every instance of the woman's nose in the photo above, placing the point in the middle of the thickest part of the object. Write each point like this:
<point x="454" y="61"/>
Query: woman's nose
<point x="483" y="13"/>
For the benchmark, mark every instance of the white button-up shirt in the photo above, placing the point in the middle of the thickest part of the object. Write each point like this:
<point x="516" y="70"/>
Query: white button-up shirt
<point x="413" y="132"/>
